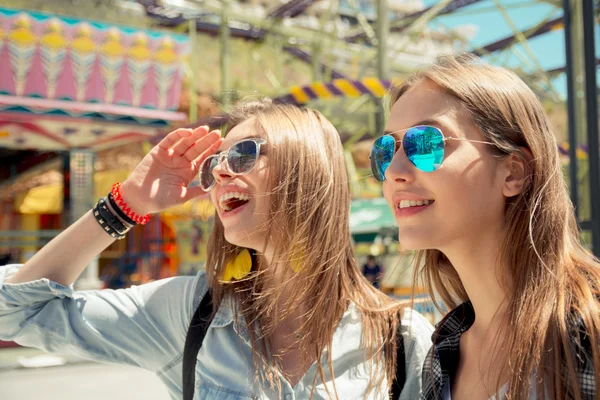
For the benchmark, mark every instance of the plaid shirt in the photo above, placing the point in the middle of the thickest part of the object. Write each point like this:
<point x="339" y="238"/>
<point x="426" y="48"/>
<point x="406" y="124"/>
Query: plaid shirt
<point x="442" y="361"/>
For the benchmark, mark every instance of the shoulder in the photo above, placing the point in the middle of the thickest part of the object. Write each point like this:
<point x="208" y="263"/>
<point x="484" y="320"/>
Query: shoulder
<point x="172" y="302"/>
<point x="416" y="331"/>
<point x="454" y="323"/>
<point x="415" y="325"/>
<point x="169" y="302"/>
<point x="200" y="289"/>
<point x="582" y="347"/>
<point x="416" y="336"/>
<point x="581" y="342"/>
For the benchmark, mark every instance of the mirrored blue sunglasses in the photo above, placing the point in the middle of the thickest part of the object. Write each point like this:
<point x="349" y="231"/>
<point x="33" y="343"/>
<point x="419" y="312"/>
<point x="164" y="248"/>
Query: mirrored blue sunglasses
<point x="423" y="145"/>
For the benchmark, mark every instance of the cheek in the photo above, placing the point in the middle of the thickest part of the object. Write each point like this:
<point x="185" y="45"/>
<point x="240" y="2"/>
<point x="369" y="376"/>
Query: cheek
<point x="263" y="180"/>
<point x="471" y="197"/>
<point x="260" y="177"/>
<point x="388" y="192"/>
<point x="262" y="195"/>
<point x="213" y="197"/>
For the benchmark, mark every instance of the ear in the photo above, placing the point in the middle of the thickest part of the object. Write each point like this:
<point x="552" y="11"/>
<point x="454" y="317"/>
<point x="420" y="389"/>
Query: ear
<point x="517" y="172"/>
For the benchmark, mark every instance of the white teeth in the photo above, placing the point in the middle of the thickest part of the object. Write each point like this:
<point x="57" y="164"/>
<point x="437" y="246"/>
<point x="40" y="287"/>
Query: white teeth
<point x="413" y="203"/>
<point x="225" y="197"/>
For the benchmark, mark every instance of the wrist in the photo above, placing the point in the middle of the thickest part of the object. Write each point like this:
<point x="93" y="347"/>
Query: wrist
<point x="129" y="203"/>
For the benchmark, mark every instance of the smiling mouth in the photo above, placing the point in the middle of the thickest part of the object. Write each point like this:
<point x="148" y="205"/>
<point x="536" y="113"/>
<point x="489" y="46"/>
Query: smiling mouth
<point x="233" y="200"/>
<point x="413" y="203"/>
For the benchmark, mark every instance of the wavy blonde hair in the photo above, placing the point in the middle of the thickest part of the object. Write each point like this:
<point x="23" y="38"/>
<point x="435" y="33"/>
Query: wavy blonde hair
<point x="309" y="224"/>
<point x="554" y="279"/>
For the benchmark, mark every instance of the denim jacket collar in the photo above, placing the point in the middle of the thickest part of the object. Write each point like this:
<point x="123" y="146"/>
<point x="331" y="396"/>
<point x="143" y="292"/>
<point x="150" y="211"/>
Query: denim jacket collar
<point x="224" y="316"/>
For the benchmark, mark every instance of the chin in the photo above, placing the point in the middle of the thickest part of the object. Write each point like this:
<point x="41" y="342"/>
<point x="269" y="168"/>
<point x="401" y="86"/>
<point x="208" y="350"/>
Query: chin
<point x="235" y="239"/>
<point x="406" y="246"/>
<point x="239" y="239"/>
<point x="410" y="240"/>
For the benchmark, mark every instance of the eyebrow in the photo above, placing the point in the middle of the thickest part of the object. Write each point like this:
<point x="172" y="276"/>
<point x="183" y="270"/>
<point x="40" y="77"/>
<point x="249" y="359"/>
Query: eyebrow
<point x="241" y="140"/>
<point x="427" y="121"/>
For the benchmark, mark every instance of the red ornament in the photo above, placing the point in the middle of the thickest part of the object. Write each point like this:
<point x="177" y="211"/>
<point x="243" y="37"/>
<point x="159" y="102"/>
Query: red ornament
<point x="116" y="192"/>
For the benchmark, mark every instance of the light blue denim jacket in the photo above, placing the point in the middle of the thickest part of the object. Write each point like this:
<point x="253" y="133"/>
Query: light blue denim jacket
<point x="146" y="325"/>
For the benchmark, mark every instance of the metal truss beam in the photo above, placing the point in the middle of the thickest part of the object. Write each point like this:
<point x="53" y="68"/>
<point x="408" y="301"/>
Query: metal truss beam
<point x="419" y="23"/>
<point x="291" y="9"/>
<point x="363" y="22"/>
<point x="256" y="29"/>
<point x="202" y="10"/>
<point x="591" y="97"/>
<point x="251" y="33"/>
<point x="560" y="70"/>
<point x="525" y="45"/>
<point x="165" y="17"/>
<point x="508" y="41"/>
<point x="403" y="23"/>
<point x="307" y="58"/>
<point x="455" y="5"/>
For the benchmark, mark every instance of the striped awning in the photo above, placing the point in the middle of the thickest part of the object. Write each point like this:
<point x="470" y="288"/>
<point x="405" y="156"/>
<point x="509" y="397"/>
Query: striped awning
<point x="300" y="95"/>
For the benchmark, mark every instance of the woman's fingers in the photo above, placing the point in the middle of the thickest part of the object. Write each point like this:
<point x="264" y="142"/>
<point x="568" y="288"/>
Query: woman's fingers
<point x="185" y="143"/>
<point x="178" y="141"/>
<point x="181" y="147"/>
<point x="195" y="150"/>
<point x="172" y="138"/>
<point x="212" y="149"/>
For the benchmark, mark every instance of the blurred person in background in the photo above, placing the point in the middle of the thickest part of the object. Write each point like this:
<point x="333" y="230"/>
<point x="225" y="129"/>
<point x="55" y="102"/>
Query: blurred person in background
<point x="373" y="271"/>
<point x="112" y="277"/>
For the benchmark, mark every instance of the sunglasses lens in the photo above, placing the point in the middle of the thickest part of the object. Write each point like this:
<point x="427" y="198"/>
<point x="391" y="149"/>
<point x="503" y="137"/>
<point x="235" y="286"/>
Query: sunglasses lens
<point x="242" y="157"/>
<point x="382" y="153"/>
<point x="424" y="147"/>
<point x="207" y="180"/>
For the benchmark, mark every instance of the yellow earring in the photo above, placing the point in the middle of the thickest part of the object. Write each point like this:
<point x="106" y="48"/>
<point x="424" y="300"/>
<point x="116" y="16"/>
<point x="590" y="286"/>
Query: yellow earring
<point x="296" y="257"/>
<point x="238" y="267"/>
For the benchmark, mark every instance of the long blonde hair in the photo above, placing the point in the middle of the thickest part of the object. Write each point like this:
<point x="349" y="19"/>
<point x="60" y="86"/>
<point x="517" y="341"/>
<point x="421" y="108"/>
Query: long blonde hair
<point x="309" y="224"/>
<point x="554" y="279"/>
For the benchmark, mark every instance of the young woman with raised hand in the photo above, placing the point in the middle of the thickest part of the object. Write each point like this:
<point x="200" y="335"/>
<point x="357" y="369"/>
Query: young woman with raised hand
<point x="471" y="169"/>
<point x="292" y="316"/>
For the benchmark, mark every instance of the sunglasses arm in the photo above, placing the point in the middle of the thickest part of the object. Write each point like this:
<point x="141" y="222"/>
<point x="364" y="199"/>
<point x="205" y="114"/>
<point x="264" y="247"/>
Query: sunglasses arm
<point x="466" y="140"/>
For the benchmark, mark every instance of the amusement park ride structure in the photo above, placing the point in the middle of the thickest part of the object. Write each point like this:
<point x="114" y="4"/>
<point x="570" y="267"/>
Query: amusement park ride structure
<point x="390" y="38"/>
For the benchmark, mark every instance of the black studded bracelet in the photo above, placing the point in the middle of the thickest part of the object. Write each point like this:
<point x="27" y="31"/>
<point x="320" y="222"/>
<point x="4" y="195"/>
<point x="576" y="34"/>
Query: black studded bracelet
<point x="113" y="204"/>
<point x="107" y="219"/>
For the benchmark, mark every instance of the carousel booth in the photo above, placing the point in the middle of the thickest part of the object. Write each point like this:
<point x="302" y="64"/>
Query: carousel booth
<point x="90" y="94"/>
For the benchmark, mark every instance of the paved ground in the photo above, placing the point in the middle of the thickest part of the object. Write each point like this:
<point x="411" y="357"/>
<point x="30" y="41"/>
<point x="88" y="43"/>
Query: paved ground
<point x="74" y="380"/>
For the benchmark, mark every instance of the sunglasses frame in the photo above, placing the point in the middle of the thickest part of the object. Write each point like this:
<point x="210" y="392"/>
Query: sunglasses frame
<point x="444" y="138"/>
<point x="222" y="156"/>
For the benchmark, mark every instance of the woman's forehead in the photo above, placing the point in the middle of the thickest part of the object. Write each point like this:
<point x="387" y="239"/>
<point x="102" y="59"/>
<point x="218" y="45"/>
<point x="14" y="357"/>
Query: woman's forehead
<point x="425" y="101"/>
<point x="245" y="130"/>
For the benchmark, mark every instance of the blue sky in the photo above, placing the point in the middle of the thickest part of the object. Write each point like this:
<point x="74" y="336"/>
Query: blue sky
<point x="549" y="48"/>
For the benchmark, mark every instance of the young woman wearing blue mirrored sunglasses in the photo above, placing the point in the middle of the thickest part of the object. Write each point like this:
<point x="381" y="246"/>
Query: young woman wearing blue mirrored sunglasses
<point x="478" y="190"/>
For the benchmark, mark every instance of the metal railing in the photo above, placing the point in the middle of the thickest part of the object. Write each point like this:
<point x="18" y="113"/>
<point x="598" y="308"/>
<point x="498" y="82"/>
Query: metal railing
<point x="25" y="239"/>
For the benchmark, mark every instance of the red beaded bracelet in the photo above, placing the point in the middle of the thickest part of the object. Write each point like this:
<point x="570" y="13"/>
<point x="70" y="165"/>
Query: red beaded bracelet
<point x="116" y="192"/>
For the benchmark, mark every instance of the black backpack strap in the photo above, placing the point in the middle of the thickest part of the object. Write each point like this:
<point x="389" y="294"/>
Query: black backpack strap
<point x="193" y="341"/>
<point x="400" y="378"/>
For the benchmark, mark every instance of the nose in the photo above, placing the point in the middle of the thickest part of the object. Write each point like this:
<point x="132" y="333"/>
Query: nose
<point x="221" y="172"/>
<point x="400" y="168"/>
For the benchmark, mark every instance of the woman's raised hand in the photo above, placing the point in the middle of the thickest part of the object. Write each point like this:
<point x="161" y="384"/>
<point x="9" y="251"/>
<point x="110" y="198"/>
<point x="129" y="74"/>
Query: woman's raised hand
<point x="162" y="178"/>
